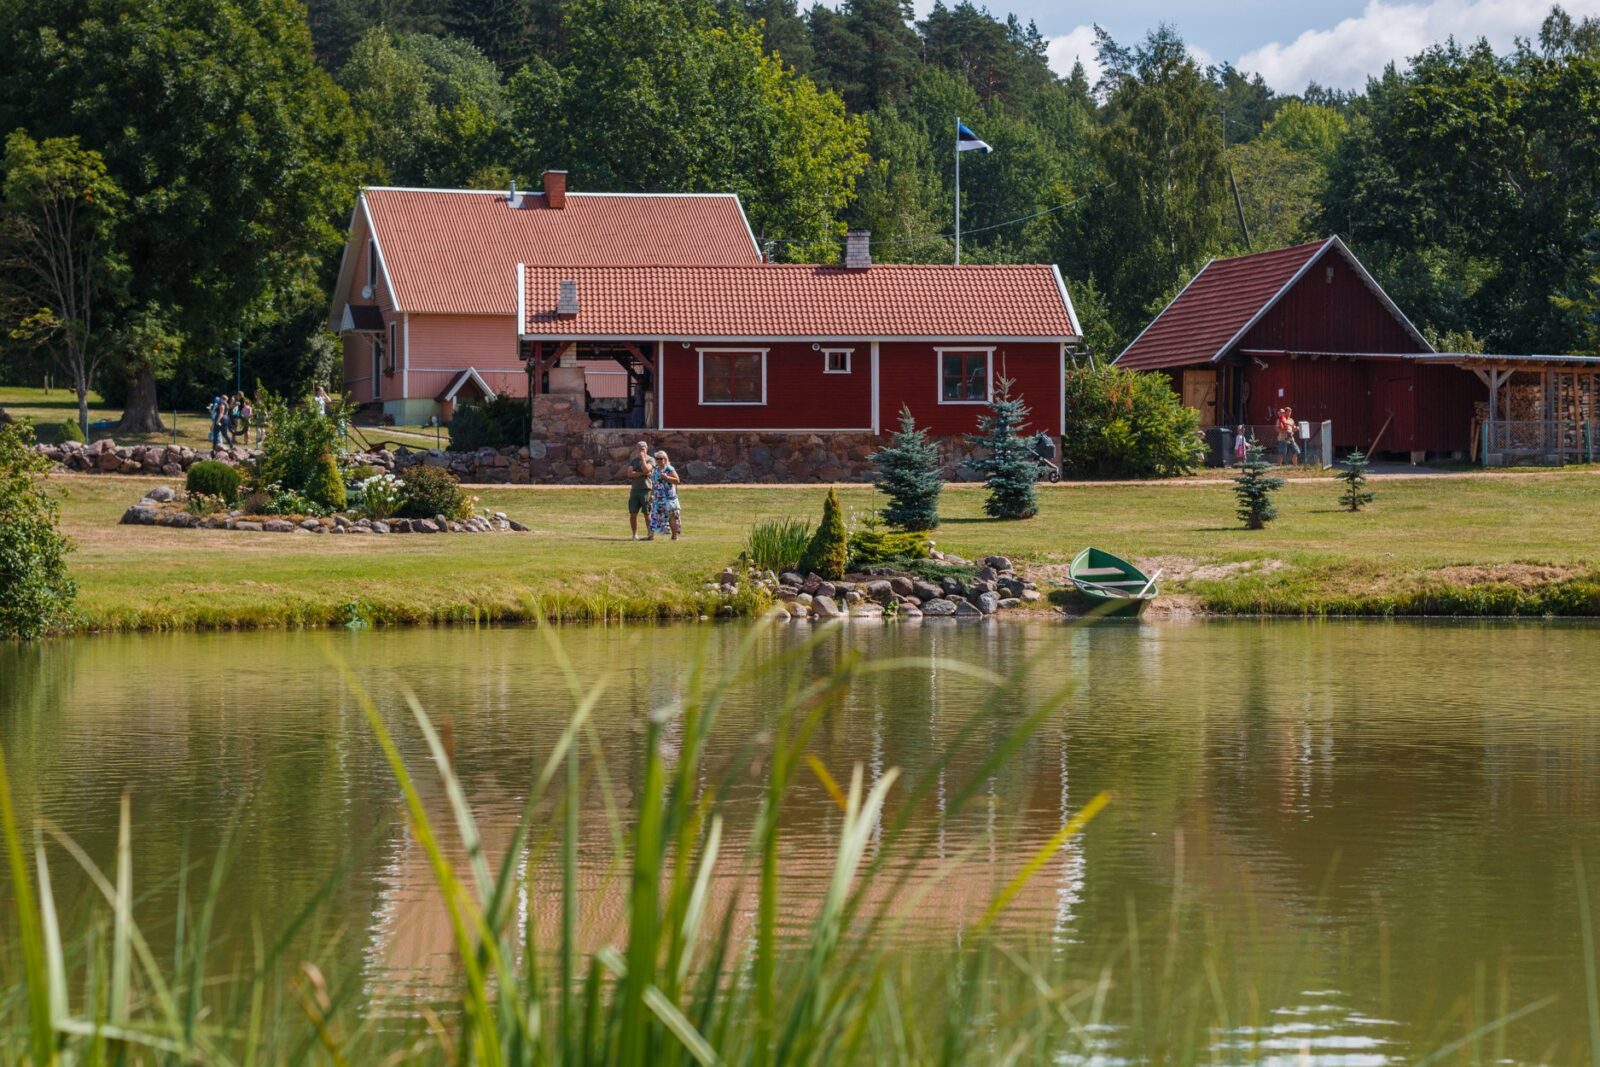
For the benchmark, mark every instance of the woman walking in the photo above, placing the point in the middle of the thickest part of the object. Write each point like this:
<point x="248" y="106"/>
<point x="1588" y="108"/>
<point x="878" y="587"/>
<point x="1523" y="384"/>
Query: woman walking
<point x="664" y="508"/>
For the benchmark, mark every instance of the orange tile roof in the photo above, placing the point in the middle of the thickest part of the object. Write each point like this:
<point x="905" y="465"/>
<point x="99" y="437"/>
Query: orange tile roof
<point x="456" y="252"/>
<point x="1219" y="302"/>
<point x="777" y="300"/>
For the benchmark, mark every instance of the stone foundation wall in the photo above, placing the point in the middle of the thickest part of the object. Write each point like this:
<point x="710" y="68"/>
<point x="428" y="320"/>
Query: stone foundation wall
<point x="565" y="450"/>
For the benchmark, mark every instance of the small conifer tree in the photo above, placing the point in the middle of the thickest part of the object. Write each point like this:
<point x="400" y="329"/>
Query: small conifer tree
<point x="829" y="549"/>
<point x="1254" y="488"/>
<point x="909" y="473"/>
<point x="1011" y="467"/>
<point x="1354" y="477"/>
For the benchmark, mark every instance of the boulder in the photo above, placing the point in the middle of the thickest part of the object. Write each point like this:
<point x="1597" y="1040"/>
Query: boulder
<point x="424" y="526"/>
<point x="901" y="585"/>
<point x="162" y="493"/>
<point x="309" y="524"/>
<point x="278" y="526"/>
<point x="910" y="611"/>
<point x="139" y="516"/>
<point x="791" y="578"/>
<point x="879" y="590"/>
<point x="998" y="563"/>
<point x="939" y="607"/>
<point x="987" y="574"/>
<point x="247" y="525"/>
<point x="1031" y="596"/>
<point x="1010" y="603"/>
<point x="826" y="608"/>
<point x="380" y="527"/>
<point x="517" y="526"/>
<point x="965" y="610"/>
<point x="826" y="589"/>
<point x="951" y="587"/>
<point x="988" y="603"/>
<point x="1010" y="587"/>
<point x="925" y="590"/>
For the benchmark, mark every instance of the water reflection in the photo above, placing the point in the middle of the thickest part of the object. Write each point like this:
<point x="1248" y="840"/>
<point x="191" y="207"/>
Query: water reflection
<point x="1382" y="816"/>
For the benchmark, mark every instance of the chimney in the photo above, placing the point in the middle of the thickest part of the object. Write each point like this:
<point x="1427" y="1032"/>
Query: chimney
<point x="567" y="301"/>
<point x="858" y="250"/>
<point x="555" y="189"/>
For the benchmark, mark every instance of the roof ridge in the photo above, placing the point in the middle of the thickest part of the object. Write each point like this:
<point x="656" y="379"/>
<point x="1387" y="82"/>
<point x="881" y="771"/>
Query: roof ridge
<point x="535" y="191"/>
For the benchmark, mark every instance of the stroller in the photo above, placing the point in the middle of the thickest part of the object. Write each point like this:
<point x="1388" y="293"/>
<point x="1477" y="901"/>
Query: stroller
<point x="1044" y="451"/>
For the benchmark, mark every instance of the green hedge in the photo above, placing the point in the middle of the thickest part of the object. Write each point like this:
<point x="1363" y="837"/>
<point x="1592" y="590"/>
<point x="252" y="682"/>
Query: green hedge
<point x="1128" y="424"/>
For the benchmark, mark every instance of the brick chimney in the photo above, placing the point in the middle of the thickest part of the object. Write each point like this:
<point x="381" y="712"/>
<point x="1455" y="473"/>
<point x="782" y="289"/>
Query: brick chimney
<point x="555" y="189"/>
<point x="858" y="250"/>
<point x="567" y="299"/>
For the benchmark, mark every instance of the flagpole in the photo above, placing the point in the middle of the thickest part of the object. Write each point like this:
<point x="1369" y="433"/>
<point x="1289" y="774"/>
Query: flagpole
<point x="958" y="190"/>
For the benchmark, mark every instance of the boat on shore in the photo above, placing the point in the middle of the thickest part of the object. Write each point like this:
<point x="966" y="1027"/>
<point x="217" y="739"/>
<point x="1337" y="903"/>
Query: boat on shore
<point x="1111" y="584"/>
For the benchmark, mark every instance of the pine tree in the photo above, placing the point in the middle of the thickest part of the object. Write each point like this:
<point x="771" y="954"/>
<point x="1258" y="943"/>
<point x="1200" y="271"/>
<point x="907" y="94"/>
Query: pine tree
<point x="1254" y="488"/>
<point x="1011" y="468"/>
<point x="909" y="472"/>
<point x="1354" y="477"/>
<point x="829" y="550"/>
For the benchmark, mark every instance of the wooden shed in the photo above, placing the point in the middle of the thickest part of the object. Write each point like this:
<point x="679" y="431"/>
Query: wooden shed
<point x="1308" y="328"/>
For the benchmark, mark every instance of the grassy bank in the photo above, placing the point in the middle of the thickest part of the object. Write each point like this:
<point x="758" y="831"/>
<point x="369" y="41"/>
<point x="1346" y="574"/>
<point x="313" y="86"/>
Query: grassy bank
<point x="1464" y="546"/>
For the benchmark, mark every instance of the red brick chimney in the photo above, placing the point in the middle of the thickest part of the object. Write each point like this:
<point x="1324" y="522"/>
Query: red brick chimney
<point x="555" y="189"/>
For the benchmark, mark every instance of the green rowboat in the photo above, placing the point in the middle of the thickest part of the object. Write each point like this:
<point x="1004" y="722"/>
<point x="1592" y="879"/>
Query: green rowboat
<point x="1110" y="584"/>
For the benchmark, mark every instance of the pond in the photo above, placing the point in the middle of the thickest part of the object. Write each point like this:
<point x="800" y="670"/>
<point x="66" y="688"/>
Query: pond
<point x="1380" y="826"/>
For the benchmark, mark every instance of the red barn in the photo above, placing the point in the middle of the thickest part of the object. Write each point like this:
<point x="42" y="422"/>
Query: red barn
<point x="1308" y="328"/>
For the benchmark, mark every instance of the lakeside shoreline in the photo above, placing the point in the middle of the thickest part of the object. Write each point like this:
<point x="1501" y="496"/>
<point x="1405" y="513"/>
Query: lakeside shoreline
<point x="1484" y="547"/>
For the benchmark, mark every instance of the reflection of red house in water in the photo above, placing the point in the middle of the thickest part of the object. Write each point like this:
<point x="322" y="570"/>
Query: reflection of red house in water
<point x="661" y="308"/>
<point x="1307" y="327"/>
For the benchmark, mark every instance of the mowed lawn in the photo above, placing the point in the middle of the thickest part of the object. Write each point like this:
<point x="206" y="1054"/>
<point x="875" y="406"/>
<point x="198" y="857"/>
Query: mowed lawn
<point x="1515" y="533"/>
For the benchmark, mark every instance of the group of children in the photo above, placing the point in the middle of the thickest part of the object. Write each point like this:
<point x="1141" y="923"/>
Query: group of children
<point x="1288" y="447"/>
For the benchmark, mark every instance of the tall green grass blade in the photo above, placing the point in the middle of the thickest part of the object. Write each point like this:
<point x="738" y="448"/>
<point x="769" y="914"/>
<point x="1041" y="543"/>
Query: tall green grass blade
<point x="122" y="915"/>
<point x="1073" y="826"/>
<point x="50" y="926"/>
<point x="41" y="1038"/>
<point x="1591" y="980"/>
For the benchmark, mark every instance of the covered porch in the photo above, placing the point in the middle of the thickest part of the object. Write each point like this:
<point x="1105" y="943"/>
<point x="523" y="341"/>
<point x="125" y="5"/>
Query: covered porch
<point x="1541" y="410"/>
<point x="617" y="379"/>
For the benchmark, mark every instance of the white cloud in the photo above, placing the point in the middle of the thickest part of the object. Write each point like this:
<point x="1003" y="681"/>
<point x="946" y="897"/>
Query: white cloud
<point x="1344" y="56"/>
<point x="1069" y="48"/>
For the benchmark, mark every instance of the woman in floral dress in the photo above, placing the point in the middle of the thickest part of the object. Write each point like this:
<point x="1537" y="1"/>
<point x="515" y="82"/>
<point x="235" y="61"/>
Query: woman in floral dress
<point x="664" y="510"/>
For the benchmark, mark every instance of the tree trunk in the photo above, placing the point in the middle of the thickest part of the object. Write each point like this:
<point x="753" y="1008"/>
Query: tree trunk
<point x="142" y="413"/>
<point x="82" y="384"/>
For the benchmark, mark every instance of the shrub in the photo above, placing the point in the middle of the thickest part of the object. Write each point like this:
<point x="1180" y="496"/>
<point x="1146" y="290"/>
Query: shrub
<point x="777" y="544"/>
<point x="69" y="430"/>
<point x="431" y="491"/>
<point x="909" y="473"/>
<point x="1254" y="488"/>
<point x="1011" y="467"/>
<point x="210" y="504"/>
<point x="326" y="486"/>
<point x="873" y="545"/>
<point x="35" y="590"/>
<point x="1354" y="477"/>
<point x="359" y="473"/>
<point x="1128" y="424"/>
<point x="828" y="552"/>
<point x="379" y="497"/>
<point x="281" y="501"/>
<point x="295" y="441"/>
<point x="499" y="422"/>
<point x="214" y="478"/>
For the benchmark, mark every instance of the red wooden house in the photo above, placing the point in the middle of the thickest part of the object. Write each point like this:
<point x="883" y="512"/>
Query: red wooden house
<point x="1308" y="328"/>
<point x="664" y="304"/>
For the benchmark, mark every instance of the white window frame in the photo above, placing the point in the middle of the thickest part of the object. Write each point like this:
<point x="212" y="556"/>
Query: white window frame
<point x="702" y="352"/>
<point x="847" y="353"/>
<point x="964" y="350"/>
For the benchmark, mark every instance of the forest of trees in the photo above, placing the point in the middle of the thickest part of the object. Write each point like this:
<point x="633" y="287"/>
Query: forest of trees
<point x="225" y="139"/>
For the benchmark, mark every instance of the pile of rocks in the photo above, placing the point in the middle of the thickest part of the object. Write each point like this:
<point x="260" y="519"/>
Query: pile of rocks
<point x="996" y="588"/>
<point x="105" y="456"/>
<point x="164" y="506"/>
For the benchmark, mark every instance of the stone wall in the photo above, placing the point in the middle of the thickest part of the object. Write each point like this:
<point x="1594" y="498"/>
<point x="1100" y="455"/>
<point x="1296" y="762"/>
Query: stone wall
<point x="566" y="451"/>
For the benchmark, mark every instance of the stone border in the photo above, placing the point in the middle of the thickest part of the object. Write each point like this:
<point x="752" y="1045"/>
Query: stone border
<point x="884" y="592"/>
<point x="164" y="506"/>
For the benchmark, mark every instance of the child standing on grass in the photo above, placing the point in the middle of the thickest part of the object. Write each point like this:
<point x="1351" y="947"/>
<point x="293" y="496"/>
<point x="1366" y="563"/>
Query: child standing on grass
<point x="664" y="509"/>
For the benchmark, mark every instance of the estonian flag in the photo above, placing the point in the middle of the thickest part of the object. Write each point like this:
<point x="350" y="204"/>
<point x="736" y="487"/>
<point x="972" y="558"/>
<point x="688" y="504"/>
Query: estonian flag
<point x="967" y="141"/>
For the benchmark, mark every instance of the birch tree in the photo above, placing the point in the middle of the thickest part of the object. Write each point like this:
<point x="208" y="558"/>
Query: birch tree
<point x="57" y="263"/>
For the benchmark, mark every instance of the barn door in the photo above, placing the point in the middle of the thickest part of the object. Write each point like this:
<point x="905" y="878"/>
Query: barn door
<point x="1394" y="402"/>
<point x="1200" y="393"/>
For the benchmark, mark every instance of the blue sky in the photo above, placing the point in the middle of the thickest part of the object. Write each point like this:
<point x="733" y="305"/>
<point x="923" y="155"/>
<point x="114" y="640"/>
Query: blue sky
<point x="1336" y="42"/>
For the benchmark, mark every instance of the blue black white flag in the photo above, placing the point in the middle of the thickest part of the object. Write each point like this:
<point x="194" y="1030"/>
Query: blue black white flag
<point x="967" y="141"/>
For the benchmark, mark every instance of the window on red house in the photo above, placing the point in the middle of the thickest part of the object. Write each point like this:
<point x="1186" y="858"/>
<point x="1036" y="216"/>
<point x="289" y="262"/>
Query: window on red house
<point x="732" y="378"/>
<point x="964" y="377"/>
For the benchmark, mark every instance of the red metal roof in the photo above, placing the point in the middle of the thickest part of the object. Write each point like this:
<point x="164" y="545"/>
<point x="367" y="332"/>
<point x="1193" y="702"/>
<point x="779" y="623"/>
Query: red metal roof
<point x="887" y="300"/>
<point x="1224" y="298"/>
<point x="455" y="252"/>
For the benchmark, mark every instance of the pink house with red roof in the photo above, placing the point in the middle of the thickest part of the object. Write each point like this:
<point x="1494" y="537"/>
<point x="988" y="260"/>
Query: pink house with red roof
<point x="661" y="309"/>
